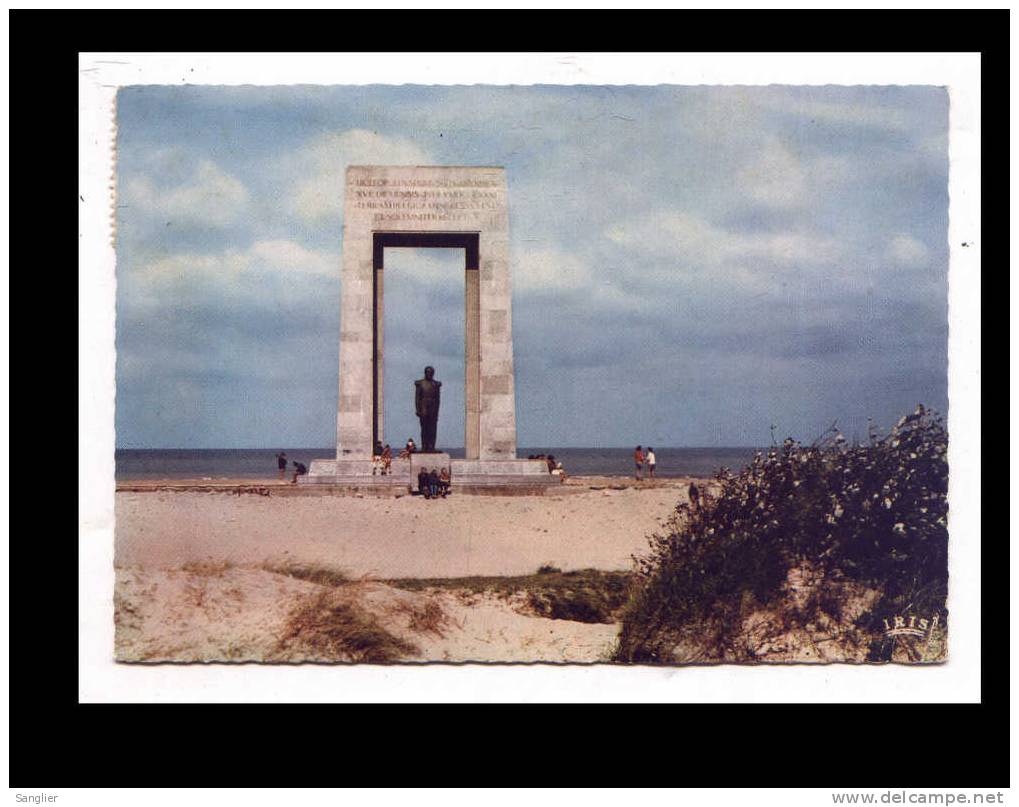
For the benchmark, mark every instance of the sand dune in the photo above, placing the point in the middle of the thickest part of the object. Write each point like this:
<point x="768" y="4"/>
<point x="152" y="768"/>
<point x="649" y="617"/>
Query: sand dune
<point x="232" y="614"/>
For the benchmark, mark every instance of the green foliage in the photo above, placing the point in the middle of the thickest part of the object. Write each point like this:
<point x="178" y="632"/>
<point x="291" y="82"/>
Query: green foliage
<point x="582" y="595"/>
<point x="874" y="515"/>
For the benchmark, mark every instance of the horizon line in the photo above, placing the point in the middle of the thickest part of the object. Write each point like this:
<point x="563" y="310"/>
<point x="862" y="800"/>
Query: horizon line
<point x="455" y="448"/>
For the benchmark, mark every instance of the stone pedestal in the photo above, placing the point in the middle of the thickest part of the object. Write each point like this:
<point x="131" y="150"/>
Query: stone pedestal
<point x="501" y="472"/>
<point x="357" y="474"/>
<point x="433" y="459"/>
<point x="465" y="475"/>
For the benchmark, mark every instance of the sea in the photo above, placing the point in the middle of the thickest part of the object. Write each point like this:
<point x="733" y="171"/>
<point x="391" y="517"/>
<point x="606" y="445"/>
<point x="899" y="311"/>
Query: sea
<point x="254" y="463"/>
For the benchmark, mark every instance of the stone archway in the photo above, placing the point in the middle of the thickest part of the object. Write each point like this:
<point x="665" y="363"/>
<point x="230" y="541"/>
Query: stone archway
<point x="469" y="242"/>
<point x="428" y="206"/>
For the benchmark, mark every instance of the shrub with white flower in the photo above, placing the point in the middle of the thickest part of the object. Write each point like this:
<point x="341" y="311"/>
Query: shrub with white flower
<point x="873" y="515"/>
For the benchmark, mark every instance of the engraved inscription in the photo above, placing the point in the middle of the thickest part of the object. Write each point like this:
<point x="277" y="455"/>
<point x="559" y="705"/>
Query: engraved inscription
<point x="435" y="199"/>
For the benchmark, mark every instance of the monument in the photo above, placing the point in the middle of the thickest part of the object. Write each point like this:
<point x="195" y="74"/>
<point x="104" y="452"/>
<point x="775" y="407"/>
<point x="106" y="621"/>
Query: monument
<point x="428" y="206"/>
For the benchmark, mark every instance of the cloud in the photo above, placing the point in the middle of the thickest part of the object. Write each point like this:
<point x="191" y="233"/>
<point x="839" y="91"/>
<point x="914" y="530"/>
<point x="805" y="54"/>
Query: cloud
<point x="276" y="273"/>
<point x="549" y="270"/>
<point x="208" y="197"/>
<point x="776" y="177"/>
<point x="536" y="270"/>
<point x="907" y="251"/>
<point x="283" y="257"/>
<point x="289" y="256"/>
<point x="320" y="167"/>
<point x="692" y="241"/>
<point x="839" y="113"/>
<point x="220" y="318"/>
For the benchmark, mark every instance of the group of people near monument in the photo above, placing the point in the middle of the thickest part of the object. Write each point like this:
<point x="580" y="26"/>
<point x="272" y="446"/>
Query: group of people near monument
<point x="433" y="484"/>
<point x="555" y="467"/>
<point x="300" y="469"/>
<point x="644" y="459"/>
<point x="382" y="459"/>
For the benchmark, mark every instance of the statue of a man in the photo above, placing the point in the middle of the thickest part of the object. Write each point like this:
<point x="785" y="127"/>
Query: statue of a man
<point x="426" y="404"/>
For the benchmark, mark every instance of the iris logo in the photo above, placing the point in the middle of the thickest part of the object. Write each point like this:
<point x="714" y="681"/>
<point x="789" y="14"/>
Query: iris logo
<point x="911" y="626"/>
<point x="916" y="627"/>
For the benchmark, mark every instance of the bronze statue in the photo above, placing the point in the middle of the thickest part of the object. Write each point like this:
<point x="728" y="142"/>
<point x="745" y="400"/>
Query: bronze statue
<point x="426" y="404"/>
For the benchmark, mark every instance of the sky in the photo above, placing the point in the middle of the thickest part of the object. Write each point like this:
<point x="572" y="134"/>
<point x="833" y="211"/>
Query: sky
<point x="691" y="266"/>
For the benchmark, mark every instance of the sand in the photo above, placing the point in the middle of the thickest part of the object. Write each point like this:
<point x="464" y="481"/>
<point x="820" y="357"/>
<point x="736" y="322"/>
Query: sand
<point x="243" y="615"/>
<point x="199" y="572"/>
<point x="396" y="537"/>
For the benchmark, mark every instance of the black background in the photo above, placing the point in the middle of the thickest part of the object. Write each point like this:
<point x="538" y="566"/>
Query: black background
<point x="57" y="742"/>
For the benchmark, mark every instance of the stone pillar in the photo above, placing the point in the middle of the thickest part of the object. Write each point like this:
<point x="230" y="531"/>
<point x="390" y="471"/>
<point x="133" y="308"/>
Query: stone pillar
<point x="355" y="410"/>
<point x="498" y="428"/>
<point x="379" y="364"/>
<point x="472" y="364"/>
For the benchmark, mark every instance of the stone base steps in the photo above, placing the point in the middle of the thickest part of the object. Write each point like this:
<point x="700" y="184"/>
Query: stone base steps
<point x="491" y="477"/>
<point x="473" y="484"/>
<point x="357" y="481"/>
<point x="512" y="489"/>
<point x="505" y="480"/>
<point x="480" y="481"/>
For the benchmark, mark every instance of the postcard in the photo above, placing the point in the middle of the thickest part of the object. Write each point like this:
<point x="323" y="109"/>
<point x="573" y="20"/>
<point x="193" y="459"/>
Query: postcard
<point x="636" y="375"/>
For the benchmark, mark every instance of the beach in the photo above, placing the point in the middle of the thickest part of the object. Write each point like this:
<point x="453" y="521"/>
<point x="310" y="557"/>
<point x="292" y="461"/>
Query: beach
<point x="460" y="536"/>
<point x="209" y="573"/>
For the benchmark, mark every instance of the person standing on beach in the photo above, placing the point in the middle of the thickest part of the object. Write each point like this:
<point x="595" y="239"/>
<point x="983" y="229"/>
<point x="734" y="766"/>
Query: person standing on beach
<point x="281" y="463"/>
<point x="300" y="469"/>
<point x="695" y="496"/>
<point x="638" y="461"/>
<point x="650" y="460"/>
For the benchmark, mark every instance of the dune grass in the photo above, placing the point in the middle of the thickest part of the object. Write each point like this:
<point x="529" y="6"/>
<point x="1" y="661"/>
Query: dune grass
<point x="333" y="629"/>
<point x="585" y="595"/>
<point x="207" y="568"/>
<point x="312" y="572"/>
